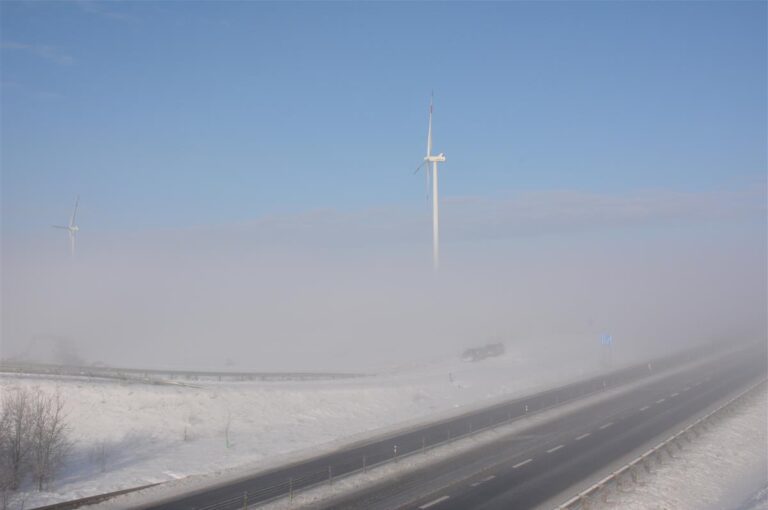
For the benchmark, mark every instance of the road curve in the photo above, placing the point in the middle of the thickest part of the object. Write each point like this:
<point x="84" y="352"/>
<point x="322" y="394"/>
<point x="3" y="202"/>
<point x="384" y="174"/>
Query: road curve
<point x="274" y="483"/>
<point x="523" y="471"/>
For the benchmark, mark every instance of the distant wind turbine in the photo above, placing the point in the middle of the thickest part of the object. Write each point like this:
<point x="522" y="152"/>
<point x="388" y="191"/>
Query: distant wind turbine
<point x="71" y="229"/>
<point x="429" y="158"/>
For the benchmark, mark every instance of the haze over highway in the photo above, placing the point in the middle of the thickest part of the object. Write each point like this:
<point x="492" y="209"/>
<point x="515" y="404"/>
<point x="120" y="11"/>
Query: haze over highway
<point x="214" y="212"/>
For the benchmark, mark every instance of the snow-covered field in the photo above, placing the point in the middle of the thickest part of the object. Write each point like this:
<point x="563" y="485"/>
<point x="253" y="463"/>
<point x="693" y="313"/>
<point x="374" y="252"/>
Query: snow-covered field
<point x="129" y="435"/>
<point x="725" y="468"/>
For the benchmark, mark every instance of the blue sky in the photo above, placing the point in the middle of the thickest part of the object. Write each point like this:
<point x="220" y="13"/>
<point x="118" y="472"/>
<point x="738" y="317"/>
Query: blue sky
<point x="171" y="114"/>
<point x="245" y="173"/>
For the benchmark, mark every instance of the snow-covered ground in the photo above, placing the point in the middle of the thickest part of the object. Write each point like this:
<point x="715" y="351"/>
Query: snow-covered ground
<point x="128" y="435"/>
<point x="725" y="468"/>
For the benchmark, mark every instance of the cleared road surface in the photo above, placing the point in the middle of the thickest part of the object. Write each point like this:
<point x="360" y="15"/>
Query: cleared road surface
<point x="270" y="484"/>
<point x="525" y="470"/>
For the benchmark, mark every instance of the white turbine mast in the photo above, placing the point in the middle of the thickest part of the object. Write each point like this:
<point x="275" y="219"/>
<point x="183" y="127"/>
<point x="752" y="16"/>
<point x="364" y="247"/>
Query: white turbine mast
<point x="72" y="228"/>
<point x="432" y="172"/>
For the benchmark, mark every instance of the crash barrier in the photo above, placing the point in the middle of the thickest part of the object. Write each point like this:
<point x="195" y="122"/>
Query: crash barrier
<point x="583" y="499"/>
<point x="390" y="448"/>
<point x="488" y="419"/>
<point x="91" y="500"/>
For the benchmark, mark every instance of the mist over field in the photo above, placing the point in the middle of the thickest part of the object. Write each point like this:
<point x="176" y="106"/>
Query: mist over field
<point x="484" y="254"/>
<point x="354" y="289"/>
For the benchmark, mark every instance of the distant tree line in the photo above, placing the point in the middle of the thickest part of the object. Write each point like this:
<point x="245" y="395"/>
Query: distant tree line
<point x="34" y="439"/>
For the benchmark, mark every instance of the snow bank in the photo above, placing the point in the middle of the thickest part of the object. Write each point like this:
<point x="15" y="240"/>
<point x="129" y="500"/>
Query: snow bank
<point x="723" y="468"/>
<point x="132" y="434"/>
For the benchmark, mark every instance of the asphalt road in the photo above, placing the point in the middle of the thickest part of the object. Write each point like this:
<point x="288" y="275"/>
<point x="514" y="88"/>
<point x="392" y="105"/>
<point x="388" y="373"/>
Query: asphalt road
<point x="523" y="471"/>
<point x="269" y="484"/>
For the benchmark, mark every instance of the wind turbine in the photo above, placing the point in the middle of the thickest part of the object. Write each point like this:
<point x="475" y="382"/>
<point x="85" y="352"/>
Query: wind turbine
<point x="434" y="160"/>
<point x="71" y="229"/>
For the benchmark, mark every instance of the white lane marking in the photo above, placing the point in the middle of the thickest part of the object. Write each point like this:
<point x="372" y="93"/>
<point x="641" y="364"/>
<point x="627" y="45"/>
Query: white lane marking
<point x="486" y="479"/>
<point x="686" y="388"/>
<point x="553" y="450"/>
<point x="674" y="395"/>
<point x="520" y="464"/>
<point x="645" y="408"/>
<point x="583" y="436"/>
<point x="660" y="400"/>
<point x="434" y="502"/>
<point x="606" y="425"/>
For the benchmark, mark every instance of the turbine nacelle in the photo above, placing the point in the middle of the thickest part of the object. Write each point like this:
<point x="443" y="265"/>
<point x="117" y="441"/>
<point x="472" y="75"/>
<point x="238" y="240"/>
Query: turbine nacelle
<point x="435" y="159"/>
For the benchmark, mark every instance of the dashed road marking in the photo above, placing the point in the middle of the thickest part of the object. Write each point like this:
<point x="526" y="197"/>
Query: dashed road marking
<point x="686" y="388"/>
<point x="434" y="502"/>
<point x="660" y="400"/>
<point x="605" y="426"/>
<point x="520" y="464"/>
<point x="583" y="436"/>
<point x="645" y="408"/>
<point x="486" y="479"/>
<point x="553" y="450"/>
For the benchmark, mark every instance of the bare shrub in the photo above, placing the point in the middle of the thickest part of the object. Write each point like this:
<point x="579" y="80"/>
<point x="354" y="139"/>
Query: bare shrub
<point x="33" y="438"/>
<point x="49" y="444"/>
<point x="5" y="473"/>
<point x="16" y="417"/>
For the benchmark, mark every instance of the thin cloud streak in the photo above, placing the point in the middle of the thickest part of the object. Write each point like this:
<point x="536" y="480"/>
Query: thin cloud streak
<point x="43" y="51"/>
<point x="99" y="9"/>
<point x="475" y="218"/>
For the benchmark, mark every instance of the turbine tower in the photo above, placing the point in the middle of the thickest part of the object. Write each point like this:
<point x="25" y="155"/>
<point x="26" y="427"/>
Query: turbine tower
<point x="434" y="160"/>
<point x="71" y="229"/>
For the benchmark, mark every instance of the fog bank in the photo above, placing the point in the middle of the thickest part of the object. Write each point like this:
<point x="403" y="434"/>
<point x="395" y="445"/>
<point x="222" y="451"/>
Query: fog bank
<point x="355" y="291"/>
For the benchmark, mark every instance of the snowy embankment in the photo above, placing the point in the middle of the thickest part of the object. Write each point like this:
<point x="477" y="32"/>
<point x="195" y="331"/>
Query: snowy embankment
<point x="128" y="435"/>
<point x="725" y="468"/>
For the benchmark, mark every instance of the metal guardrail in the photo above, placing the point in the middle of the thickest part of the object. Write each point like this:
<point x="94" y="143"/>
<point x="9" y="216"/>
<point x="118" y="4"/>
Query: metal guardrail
<point x="292" y="486"/>
<point x="498" y="414"/>
<point x="580" y="501"/>
<point x="160" y="376"/>
<point x="91" y="500"/>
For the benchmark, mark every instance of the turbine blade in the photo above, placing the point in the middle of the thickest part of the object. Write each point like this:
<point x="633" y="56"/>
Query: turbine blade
<point x="60" y="226"/>
<point x="74" y="213"/>
<point x="419" y="168"/>
<point x="429" y="131"/>
<point x="72" y="243"/>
